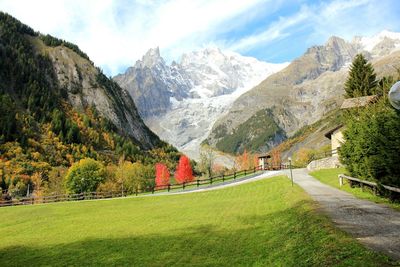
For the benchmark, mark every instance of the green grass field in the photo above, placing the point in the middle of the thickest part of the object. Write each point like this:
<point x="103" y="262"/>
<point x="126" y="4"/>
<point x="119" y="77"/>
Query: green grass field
<point x="264" y="223"/>
<point x="330" y="177"/>
<point x="206" y="183"/>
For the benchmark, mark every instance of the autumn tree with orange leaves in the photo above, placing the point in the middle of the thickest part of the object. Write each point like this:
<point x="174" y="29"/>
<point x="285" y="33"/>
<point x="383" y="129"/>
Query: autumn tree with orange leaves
<point x="184" y="172"/>
<point x="162" y="175"/>
<point x="276" y="158"/>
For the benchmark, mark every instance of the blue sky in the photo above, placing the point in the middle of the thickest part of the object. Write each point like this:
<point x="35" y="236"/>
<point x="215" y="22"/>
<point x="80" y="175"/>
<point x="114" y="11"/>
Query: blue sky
<point x="117" y="33"/>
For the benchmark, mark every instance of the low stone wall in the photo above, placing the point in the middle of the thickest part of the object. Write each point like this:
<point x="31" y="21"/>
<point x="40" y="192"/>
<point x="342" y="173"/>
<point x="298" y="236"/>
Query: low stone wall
<point x="325" y="163"/>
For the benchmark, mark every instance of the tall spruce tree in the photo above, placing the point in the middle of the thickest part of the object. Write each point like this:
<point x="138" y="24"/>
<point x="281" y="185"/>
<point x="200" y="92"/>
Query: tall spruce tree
<point x="362" y="78"/>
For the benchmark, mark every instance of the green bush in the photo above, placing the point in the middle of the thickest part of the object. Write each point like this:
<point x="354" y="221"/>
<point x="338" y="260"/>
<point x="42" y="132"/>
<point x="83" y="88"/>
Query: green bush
<point x="372" y="144"/>
<point x="85" y="176"/>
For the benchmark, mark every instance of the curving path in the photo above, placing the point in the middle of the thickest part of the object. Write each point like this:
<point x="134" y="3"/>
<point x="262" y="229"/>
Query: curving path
<point x="376" y="226"/>
<point x="247" y="179"/>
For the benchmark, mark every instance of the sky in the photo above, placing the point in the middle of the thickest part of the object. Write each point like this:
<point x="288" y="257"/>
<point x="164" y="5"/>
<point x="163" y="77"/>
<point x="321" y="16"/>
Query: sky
<point x="117" y="33"/>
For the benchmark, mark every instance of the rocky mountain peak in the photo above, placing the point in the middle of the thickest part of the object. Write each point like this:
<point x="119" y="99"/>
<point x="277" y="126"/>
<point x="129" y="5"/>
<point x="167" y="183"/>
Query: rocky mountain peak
<point x="380" y="44"/>
<point x="151" y="58"/>
<point x="335" y="42"/>
<point x="181" y="101"/>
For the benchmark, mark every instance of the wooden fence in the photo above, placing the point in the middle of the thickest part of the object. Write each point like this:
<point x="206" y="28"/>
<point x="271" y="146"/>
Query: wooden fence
<point x="368" y="183"/>
<point x="101" y="195"/>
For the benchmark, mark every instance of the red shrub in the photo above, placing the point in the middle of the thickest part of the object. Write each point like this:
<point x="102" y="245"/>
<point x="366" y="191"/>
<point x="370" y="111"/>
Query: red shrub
<point x="162" y="175"/>
<point x="184" y="171"/>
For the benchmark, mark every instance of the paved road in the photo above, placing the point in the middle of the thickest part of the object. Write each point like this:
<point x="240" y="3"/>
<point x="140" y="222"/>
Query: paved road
<point x="374" y="225"/>
<point x="247" y="179"/>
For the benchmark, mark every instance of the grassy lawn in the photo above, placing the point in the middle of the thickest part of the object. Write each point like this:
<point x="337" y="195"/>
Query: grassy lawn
<point x="330" y="177"/>
<point x="264" y="223"/>
<point x="216" y="181"/>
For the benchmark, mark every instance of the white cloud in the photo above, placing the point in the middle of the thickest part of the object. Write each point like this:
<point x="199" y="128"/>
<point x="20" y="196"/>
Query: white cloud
<point x="344" y="18"/>
<point x="115" y="34"/>
<point x="275" y="31"/>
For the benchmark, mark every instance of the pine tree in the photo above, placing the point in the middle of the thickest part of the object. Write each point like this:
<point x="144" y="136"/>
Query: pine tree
<point x="362" y="78"/>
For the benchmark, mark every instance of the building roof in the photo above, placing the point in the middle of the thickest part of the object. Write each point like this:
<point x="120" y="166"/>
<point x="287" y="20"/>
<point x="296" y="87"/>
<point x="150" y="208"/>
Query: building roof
<point x="265" y="157"/>
<point x="358" y="101"/>
<point x="330" y="132"/>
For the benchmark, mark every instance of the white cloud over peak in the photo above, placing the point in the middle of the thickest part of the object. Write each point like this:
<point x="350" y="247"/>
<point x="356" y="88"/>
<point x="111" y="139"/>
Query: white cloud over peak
<point x="116" y="33"/>
<point x="344" y="18"/>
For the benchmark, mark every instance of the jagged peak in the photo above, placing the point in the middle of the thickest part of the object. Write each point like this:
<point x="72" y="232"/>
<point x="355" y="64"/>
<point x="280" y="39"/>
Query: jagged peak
<point x="151" y="58"/>
<point x="388" y="34"/>
<point x="368" y="43"/>
<point x="335" y="40"/>
<point x="153" y="52"/>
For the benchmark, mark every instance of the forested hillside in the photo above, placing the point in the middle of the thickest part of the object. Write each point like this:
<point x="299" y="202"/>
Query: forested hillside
<point x="57" y="108"/>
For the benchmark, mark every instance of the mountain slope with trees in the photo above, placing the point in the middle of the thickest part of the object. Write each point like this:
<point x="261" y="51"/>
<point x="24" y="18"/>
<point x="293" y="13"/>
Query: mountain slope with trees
<point x="309" y="88"/>
<point x="372" y="143"/>
<point x="57" y="108"/>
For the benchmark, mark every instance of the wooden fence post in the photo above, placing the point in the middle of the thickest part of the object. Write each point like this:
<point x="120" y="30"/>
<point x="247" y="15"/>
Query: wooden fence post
<point x="223" y="178"/>
<point x="245" y="172"/>
<point x="198" y="182"/>
<point x="183" y="186"/>
<point x="234" y="175"/>
<point x="211" y="180"/>
<point x="169" y="187"/>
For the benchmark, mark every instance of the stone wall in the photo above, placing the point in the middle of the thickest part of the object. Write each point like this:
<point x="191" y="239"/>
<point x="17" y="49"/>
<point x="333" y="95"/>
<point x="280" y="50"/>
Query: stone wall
<point x="325" y="163"/>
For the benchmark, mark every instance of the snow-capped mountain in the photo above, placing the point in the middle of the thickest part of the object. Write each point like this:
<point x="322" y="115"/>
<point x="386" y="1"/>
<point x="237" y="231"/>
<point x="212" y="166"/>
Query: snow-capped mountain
<point x="302" y="93"/>
<point x="182" y="101"/>
<point x="216" y="73"/>
<point x="380" y="44"/>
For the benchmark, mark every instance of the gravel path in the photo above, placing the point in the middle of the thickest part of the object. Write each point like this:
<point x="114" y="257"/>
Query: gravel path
<point x="374" y="225"/>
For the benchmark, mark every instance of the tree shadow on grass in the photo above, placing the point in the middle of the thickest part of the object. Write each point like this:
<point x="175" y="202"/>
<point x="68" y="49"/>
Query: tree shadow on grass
<point x="292" y="237"/>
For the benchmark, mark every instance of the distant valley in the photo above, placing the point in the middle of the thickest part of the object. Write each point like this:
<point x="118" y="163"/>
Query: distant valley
<point x="234" y="103"/>
<point x="182" y="101"/>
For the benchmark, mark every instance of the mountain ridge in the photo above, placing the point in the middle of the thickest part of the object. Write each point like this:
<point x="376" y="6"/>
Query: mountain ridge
<point x="181" y="101"/>
<point x="308" y="88"/>
<point x="58" y="106"/>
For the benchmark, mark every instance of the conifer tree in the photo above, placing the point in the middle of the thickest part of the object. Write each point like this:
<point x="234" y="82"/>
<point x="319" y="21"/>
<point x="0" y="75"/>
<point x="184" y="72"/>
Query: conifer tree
<point x="362" y="78"/>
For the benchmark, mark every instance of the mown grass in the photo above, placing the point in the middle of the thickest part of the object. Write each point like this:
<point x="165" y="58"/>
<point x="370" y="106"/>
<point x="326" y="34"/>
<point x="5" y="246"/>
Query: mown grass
<point x="206" y="183"/>
<point x="263" y="223"/>
<point x="330" y="177"/>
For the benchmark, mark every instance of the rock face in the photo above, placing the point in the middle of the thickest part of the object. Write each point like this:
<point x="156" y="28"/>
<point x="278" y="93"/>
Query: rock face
<point x="309" y="87"/>
<point x="87" y="86"/>
<point x="181" y="101"/>
<point x="151" y="83"/>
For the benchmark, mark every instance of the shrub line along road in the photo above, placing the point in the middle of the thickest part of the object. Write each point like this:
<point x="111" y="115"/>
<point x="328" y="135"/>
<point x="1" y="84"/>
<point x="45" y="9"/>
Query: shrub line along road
<point x="375" y="225"/>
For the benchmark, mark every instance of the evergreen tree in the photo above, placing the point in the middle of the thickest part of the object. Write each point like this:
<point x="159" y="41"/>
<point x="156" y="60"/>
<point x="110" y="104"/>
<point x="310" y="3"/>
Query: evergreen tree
<point x="362" y="78"/>
<point x="372" y="144"/>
